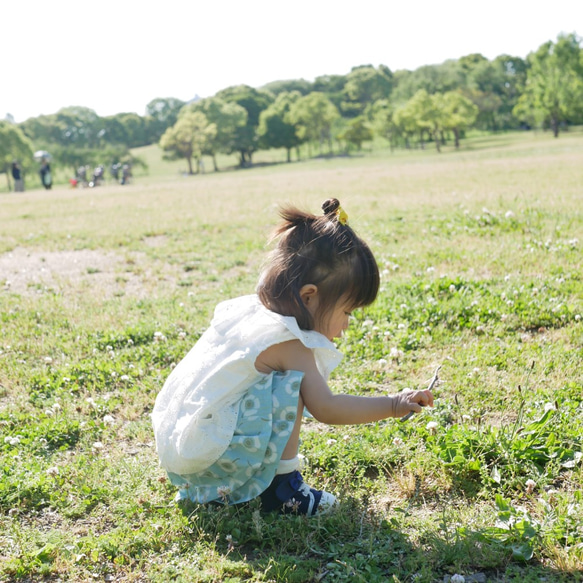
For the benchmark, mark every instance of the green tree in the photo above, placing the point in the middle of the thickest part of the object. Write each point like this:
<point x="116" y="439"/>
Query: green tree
<point x="423" y="112"/>
<point x="356" y="131"/>
<point x="459" y="113"/>
<point x="14" y="145"/>
<point x="381" y="116"/>
<point x="162" y="113"/>
<point x="314" y="115"/>
<point x="365" y="85"/>
<point x="287" y="86"/>
<point x="447" y="76"/>
<point x="554" y="84"/>
<point x="275" y="127"/>
<point x="227" y="117"/>
<point x="79" y="126"/>
<point x="254" y="102"/>
<point x="188" y="138"/>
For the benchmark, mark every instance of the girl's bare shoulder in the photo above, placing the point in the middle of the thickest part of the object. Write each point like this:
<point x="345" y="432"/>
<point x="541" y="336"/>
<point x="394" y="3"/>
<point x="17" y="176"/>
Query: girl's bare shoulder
<point x="290" y="355"/>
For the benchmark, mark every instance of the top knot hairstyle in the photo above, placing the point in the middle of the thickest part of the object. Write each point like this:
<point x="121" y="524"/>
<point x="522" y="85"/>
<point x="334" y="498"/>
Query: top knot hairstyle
<point x="323" y="251"/>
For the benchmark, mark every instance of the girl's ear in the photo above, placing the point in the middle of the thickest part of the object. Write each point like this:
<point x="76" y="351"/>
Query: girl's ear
<point x="308" y="293"/>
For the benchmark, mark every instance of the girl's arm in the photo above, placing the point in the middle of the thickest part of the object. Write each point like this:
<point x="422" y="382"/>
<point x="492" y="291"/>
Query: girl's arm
<point x="340" y="409"/>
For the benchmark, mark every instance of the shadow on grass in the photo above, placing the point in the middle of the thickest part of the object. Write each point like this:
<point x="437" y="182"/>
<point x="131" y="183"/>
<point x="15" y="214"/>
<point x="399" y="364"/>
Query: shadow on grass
<point x="354" y="543"/>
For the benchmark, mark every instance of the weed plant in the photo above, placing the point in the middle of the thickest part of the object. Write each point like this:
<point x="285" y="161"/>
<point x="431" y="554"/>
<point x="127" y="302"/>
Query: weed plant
<point x="104" y="291"/>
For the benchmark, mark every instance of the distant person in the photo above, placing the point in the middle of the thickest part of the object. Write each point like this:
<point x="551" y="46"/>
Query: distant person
<point x="227" y="421"/>
<point x="17" y="177"/>
<point x="126" y="172"/>
<point x="45" y="174"/>
<point x="114" y="171"/>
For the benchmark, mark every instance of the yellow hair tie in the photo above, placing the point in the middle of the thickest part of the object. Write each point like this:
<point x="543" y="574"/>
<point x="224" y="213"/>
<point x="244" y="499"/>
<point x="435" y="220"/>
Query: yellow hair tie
<point x="341" y="215"/>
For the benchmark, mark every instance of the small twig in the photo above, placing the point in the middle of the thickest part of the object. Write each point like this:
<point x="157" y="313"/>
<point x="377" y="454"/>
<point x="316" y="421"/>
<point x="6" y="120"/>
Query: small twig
<point x="432" y="384"/>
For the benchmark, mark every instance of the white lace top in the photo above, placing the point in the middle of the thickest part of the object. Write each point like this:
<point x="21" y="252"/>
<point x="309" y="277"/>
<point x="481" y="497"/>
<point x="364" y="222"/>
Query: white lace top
<point x="196" y="411"/>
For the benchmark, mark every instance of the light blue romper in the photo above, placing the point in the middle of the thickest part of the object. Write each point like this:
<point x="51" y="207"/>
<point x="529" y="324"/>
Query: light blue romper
<point x="267" y="414"/>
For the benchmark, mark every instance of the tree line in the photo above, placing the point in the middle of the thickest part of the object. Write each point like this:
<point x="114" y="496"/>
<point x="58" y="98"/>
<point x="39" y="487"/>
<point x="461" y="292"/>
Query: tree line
<point x="434" y="103"/>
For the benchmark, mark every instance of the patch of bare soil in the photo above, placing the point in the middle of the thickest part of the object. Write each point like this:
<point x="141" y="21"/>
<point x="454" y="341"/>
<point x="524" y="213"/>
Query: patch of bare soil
<point x="27" y="272"/>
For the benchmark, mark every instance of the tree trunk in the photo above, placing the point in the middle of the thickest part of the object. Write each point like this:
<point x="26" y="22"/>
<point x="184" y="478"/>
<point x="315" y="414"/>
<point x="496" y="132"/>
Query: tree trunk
<point x="555" y="126"/>
<point x="216" y="168"/>
<point x="288" y="155"/>
<point x="456" y="134"/>
<point x="436" y="139"/>
<point x="189" y="160"/>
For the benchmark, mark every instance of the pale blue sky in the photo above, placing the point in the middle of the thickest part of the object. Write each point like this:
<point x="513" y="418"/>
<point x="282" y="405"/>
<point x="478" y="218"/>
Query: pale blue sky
<point x="115" y="56"/>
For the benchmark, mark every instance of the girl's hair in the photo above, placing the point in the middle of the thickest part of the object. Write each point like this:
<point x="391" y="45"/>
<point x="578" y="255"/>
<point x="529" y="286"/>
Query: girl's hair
<point x="319" y="250"/>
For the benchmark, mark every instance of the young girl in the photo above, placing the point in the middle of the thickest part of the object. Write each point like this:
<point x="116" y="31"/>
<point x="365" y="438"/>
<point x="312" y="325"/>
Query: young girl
<point x="227" y="421"/>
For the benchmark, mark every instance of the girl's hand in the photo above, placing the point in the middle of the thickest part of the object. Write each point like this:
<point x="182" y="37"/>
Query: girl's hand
<point x="408" y="400"/>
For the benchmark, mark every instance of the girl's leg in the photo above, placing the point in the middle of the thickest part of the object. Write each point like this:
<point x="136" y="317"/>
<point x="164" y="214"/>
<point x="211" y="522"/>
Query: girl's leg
<point x="291" y="449"/>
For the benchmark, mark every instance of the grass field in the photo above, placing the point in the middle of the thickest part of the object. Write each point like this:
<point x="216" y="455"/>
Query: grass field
<point x="103" y="290"/>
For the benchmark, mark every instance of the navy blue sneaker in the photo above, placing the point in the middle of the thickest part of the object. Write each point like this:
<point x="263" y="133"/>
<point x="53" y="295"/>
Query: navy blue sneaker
<point x="289" y="494"/>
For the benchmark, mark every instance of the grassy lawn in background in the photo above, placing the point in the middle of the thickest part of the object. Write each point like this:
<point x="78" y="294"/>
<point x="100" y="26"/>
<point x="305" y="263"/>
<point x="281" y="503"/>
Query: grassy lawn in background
<point x="103" y="290"/>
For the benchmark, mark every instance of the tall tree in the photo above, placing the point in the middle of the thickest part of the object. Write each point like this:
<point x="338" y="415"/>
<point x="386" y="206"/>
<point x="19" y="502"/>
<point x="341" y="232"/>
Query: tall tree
<point x="227" y="117"/>
<point x="365" y="85"/>
<point x="459" y="113"/>
<point x="314" y="115"/>
<point x="554" y="84"/>
<point x="254" y="102"/>
<point x="276" y="129"/>
<point x="188" y="138"/>
<point x="163" y="112"/>
<point x="356" y="131"/>
<point x="425" y="113"/>
<point x="381" y="115"/>
<point x="287" y="86"/>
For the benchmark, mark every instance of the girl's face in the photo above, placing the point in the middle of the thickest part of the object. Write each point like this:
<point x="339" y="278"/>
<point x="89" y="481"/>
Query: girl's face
<point x="333" y="322"/>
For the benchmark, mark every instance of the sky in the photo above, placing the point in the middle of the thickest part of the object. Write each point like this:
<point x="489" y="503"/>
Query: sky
<point x="116" y="56"/>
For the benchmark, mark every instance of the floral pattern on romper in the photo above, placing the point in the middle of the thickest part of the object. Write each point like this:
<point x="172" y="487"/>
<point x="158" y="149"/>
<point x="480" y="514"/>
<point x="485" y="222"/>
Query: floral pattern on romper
<point x="267" y="414"/>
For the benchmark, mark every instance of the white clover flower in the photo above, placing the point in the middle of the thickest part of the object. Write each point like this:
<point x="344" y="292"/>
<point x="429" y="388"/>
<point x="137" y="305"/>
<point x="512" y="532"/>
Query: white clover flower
<point x="430" y="269"/>
<point x="48" y="360"/>
<point x="395" y="353"/>
<point x="97" y="445"/>
<point x="457" y="579"/>
<point x="397" y="441"/>
<point x="181" y="335"/>
<point x="550" y="407"/>
<point x="331" y="442"/>
<point x="530" y="486"/>
<point x="577" y="317"/>
<point x="432" y="426"/>
<point x="124" y="377"/>
<point x="49" y="412"/>
<point x="91" y="401"/>
<point x="382" y="361"/>
<point x="109" y="419"/>
<point x="12" y="440"/>
<point x="224" y="492"/>
<point x="347" y="437"/>
<point x="509" y="214"/>
<point x="159" y="337"/>
<point x="130" y="342"/>
<point x="52" y="471"/>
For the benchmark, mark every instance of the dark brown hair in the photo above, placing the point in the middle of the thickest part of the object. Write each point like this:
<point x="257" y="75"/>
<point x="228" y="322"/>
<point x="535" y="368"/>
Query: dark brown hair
<point x="322" y="251"/>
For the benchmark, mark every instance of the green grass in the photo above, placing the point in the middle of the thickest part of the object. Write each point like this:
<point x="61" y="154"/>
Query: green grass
<point x="102" y="291"/>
